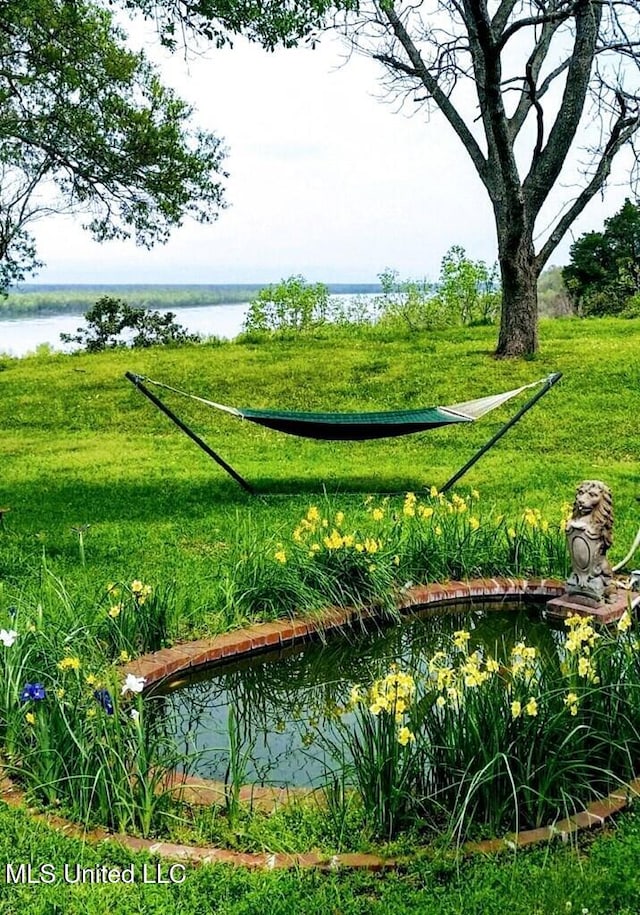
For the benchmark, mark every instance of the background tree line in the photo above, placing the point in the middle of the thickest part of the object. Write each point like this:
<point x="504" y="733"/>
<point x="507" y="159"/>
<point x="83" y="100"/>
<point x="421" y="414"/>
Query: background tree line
<point x="603" y="276"/>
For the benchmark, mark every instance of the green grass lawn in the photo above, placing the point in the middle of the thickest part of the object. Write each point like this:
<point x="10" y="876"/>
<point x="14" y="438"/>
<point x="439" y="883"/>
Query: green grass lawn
<point x="599" y="878"/>
<point x="79" y="446"/>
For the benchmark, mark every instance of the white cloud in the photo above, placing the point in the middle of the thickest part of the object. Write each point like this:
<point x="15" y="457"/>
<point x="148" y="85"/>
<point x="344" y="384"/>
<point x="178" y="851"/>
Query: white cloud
<point x="325" y="180"/>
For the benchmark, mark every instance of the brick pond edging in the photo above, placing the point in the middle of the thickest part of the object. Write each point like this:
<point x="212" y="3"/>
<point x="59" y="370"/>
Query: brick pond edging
<point x="202" y="653"/>
<point x="188" y="657"/>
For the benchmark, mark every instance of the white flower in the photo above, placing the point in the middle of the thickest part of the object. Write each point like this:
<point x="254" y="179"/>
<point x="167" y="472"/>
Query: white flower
<point x="135" y="714"/>
<point x="8" y="637"/>
<point x="133" y="684"/>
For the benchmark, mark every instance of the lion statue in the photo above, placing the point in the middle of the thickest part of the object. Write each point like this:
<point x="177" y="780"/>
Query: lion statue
<point x="589" y="536"/>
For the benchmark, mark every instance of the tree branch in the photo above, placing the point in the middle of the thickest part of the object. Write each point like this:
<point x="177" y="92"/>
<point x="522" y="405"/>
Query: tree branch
<point x="622" y="131"/>
<point x="539" y="112"/>
<point x="546" y="168"/>
<point x="499" y="21"/>
<point x="557" y="17"/>
<point x="488" y="74"/>
<point x="534" y="64"/>
<point x="420" y="70"/>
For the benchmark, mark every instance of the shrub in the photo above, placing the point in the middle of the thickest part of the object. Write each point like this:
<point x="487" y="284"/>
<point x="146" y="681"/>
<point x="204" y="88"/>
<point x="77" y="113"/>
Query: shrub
<point x="631" y="307"/>
<point x="293" y="304"/>
<point x="604" y="268"/>
<point x="467" y="292"/>
<point x="411" y="302"/>
<point x="113" y="322"/>
<point x="468" y="289"/>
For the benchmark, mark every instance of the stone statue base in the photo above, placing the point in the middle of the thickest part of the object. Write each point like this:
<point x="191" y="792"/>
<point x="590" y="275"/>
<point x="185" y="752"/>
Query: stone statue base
<point x="560" y="608"/>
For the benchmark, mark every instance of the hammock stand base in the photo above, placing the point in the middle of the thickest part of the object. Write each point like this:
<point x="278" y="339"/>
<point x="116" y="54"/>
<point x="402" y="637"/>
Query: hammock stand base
<point x="138" y="382"/>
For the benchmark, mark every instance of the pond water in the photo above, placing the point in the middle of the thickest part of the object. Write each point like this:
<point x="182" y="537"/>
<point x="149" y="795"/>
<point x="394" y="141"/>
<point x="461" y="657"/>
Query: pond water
<point x="282" y="699"/>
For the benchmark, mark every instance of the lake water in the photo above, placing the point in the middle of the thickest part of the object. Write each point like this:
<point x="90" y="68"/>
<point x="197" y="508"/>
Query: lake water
<point x="22" y="336"/>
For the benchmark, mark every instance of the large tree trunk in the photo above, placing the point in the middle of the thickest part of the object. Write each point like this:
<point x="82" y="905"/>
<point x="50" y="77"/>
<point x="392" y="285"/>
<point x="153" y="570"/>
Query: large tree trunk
<point x="519" y="317"/>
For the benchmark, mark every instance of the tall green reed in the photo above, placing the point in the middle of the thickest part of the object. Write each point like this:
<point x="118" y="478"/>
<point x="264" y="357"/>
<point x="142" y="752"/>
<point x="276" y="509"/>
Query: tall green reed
<point x="75" y="732"/>
<point x="498" y="741"/>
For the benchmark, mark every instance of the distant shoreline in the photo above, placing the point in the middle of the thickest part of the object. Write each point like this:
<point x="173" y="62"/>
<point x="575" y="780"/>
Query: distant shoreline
<point x="38" y="299"/>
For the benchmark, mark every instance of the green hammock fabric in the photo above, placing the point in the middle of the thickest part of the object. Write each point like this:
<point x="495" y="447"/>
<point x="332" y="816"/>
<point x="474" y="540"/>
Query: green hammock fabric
<point x="352" y="426"/>
<point x="357" y="426"/>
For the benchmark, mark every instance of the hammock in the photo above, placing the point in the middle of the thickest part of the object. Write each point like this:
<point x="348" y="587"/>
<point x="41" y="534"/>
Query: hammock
<point x="354" y="426"/>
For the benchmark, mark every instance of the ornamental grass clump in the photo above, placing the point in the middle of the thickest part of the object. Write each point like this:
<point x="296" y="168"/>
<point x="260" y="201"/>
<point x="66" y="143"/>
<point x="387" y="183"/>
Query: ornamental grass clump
<point x="75" y="732"/>
<point x="324" y="561"/>
<point x="507" y="749"/>
<point x="494" y="739"/>
<point x="341" y="559"/>
<point x="366" y="557"/>
<point x="379" y="754"/>
<point x="136" y="618"/>
<point x="438" y="537"/>
<point x="537" y="546"/>
<point x="82" y="742"/>
<point x="265" y="583"/>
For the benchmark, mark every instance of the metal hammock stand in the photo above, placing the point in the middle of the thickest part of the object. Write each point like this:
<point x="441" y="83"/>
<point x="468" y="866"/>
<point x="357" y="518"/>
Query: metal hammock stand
<point x="354" y="426"/>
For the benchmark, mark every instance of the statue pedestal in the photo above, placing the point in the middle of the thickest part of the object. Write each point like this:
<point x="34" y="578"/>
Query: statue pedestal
<point x="561" y="607"/>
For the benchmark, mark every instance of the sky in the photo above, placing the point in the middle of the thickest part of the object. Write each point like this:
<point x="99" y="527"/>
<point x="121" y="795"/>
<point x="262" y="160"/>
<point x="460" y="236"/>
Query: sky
<point x="327" y="179"/>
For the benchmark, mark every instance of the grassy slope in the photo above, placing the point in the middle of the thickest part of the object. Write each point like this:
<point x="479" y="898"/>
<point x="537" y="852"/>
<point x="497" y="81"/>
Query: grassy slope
<point x="79" y="445"/>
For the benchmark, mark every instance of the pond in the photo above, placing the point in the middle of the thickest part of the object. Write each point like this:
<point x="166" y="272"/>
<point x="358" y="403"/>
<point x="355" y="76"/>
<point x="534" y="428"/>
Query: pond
<point x="283" y="701"/>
